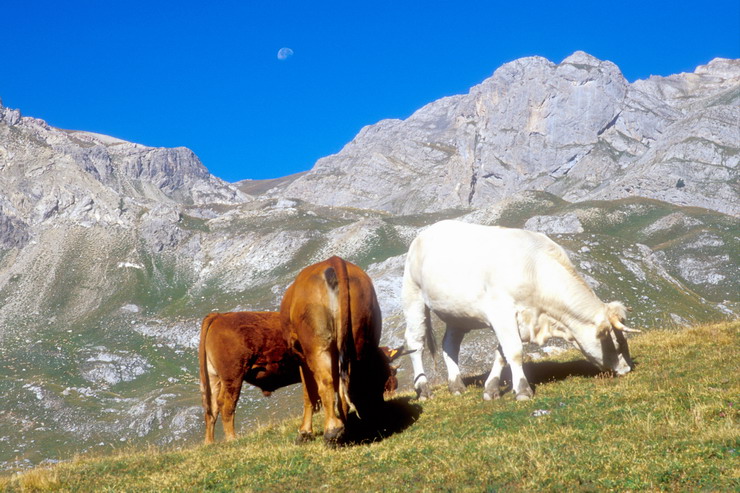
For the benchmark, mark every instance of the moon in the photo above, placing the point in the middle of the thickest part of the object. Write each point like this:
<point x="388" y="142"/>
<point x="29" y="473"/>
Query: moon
<point x="284" y="53"/>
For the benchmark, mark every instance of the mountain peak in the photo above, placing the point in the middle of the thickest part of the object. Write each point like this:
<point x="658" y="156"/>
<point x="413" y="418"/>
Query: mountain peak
<point x="8" y="116"/>
<point x="47" y="172"/>
<point x="720" y="67"/>
<point x="582" y="58"/>
<point x="577" y="129"/>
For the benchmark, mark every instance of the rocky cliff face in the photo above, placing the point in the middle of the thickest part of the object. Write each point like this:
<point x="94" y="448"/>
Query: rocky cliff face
<point x="577" y="129"/>
<point x="112" y="252"/>
<point x="52" y="174"/>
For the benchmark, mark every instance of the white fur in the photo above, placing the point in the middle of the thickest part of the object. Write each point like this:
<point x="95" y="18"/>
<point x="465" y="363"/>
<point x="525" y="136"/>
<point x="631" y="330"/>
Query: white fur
<point x="519" y="282"/>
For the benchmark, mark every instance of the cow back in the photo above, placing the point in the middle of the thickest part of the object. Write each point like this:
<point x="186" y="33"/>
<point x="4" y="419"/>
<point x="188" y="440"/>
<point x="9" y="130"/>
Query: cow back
<point x="252" y="344"/>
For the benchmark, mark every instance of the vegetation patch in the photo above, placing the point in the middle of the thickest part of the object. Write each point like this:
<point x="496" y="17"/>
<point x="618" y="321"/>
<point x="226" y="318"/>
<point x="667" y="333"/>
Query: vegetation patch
<point x="671" y="425"/>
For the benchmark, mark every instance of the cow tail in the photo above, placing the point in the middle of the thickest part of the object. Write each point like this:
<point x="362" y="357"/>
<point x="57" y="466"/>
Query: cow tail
<point x="337" y="279"/>
<point x="205" y="384"/>
<point x="430" y="340"/>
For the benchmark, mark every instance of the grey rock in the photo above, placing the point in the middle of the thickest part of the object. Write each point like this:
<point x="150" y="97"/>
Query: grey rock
<point x="9" y="116"/>
<point x="13" y="232"/>
<point x="705" y="269"/>
<point x="672" y="222"/>
<point x="106" y="368"/>
<point x="159" y="227"/>
<point x="387" y="278"/>
<point x="173" y="335"/>
<point x="551" y="225"/>
<point x="577" y="129"/>
<point x="90" y="178"/>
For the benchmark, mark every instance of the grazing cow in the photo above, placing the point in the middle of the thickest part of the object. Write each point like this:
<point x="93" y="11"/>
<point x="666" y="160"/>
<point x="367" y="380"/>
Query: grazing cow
<point x="518" y="282"/>
<point x="237" y="347"/>
<point x="331" y="318"/>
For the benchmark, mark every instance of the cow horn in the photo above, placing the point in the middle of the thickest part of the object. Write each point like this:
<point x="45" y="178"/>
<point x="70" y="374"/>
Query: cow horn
<point x="628" y="329"/>
<point x="620" y="326"/>
<point x="397" y="353"/>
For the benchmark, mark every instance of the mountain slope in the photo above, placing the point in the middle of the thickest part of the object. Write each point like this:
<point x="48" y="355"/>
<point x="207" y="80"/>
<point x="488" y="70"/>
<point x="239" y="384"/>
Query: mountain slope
<point x="670" y="425"/>
<point x="577" y="129"/>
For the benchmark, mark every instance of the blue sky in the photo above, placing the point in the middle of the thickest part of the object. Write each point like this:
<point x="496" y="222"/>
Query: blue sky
<point x="206" y="75"/>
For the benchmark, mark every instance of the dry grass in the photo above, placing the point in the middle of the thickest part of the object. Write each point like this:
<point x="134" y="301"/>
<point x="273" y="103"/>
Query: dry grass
<point x="670" y="425"/>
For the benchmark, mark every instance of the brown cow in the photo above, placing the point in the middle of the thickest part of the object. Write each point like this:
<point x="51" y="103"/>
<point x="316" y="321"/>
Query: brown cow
<point x="331" y="319"/>
<point x="237" y="347"/>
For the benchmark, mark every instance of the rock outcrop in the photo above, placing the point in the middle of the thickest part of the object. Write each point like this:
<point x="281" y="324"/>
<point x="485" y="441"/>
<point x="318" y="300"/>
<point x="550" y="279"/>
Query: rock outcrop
<point x="48" y="173"/>
<point x="577" y="129"/>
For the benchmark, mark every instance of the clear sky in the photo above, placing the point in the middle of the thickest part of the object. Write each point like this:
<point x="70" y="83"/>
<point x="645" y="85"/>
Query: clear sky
<point x="206" y="75"/>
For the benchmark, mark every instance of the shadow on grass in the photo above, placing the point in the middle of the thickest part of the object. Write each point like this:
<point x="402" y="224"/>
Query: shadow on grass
<point x="541" y="372"/>
<point x="393" y="417"/>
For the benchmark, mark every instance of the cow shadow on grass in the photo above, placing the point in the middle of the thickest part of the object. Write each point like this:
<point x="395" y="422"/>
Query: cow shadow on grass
<point x="540" y="372"/>
<point x="394" y="416"/>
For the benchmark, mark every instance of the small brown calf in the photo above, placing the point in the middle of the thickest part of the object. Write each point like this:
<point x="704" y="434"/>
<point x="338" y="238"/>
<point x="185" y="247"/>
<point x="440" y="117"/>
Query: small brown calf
<point x="237" y="347"/>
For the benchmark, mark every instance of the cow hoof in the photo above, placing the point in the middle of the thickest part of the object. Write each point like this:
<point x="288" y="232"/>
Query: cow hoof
<point x="304" y="437"/>
<point x="332" y="443"/>
<point x="422" y="392"/>
<point x="491" y="390"/>
<point x="490" y="397"/>
<point x="524" y="391"/>
<point x="333" y="437"/>
<point x="456" y="386"/>
<point x="524" y="395"/>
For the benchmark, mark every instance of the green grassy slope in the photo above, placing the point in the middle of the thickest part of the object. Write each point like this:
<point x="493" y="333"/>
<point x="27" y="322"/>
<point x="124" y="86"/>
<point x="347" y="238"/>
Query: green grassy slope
<point x="670" y="425"/>
<point x="84" y="294"/>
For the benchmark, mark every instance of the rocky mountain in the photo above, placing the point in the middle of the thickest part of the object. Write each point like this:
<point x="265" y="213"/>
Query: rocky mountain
<point x="90" y="178"/>
<point x="112" y="252"/>
<point x="577" y="130"/>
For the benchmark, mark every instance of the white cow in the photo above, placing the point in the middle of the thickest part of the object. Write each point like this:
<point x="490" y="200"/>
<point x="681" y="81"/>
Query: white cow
<point x="518" y="282"/>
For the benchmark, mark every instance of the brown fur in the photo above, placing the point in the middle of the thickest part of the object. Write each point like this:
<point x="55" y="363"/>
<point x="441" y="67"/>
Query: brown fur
<point x="391" y="385"/>
<point x="237" y="347"/>
<point x="331" y="318"/>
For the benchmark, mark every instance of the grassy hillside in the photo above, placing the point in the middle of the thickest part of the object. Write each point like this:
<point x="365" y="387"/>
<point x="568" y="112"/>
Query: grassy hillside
<point x="98" y="324"/>
<point x="670" y="425"/>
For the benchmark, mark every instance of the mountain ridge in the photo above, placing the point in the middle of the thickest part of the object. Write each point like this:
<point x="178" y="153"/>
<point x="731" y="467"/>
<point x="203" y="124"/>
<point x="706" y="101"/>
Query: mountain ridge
<point x="571" y="129"/>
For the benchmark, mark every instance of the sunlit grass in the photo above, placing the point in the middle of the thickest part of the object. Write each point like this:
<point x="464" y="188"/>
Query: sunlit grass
<point x="670" y="425"/>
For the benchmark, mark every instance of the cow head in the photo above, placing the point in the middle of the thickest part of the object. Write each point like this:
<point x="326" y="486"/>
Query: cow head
<point x="391" y="384"/>
<point x="605" y="345"/>
<point x="373" y="378"/>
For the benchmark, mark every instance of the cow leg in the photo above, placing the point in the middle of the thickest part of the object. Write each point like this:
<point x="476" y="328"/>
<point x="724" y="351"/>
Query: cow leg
<point x="493" y="382"/>
<point x="327" y="380"/>
<point x="450" y="353"/>
<point x="503" y="321"/>
<point x="212" y="410"/>
<point x="228" y="398"/>
<point x="416" y="314"/>
<point x="310" y="402"/>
